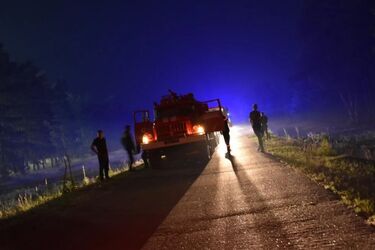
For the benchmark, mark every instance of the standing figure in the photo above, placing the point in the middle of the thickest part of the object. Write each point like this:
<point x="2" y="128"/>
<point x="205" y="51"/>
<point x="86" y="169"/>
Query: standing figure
<point x="99" y="146"/>
<point x="128" y="144"/>
<point x="264" y="121"/>
<point x="256" y="123"/>
<point x="226" y="135"/>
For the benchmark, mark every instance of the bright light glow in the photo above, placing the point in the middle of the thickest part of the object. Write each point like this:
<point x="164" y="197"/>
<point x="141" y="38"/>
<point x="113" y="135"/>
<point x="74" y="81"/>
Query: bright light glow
<point x="147" y="138"/>
<point x="198" y="129"/>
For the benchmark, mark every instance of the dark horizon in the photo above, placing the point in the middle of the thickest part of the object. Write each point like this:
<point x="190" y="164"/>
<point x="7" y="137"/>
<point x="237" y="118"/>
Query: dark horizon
<point x="300" y="61"/>
<point x="128" y="55"/>
<point x="212" y="50"/>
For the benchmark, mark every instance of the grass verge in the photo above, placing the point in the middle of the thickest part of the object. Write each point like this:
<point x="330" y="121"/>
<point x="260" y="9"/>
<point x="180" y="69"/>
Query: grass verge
<point x="353" y="179"/>
<point x="23" y="200"/>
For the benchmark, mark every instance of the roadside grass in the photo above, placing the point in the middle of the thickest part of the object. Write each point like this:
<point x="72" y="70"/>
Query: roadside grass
<point x="23" y="200"/>
<point x="353" y="179"/>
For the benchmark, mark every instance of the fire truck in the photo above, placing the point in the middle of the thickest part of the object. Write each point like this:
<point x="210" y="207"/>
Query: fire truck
<point x="183" y="127"/>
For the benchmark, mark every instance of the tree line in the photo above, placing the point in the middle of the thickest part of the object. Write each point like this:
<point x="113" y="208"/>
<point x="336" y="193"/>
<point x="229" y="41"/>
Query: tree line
<point x="337" y="58"/>
<point x="39" y="119"/>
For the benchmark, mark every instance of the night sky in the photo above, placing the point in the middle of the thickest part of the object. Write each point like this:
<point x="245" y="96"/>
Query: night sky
<point x="126" y="54"/>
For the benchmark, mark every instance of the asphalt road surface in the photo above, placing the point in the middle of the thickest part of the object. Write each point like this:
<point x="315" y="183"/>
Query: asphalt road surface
<point x="248" y="201"/>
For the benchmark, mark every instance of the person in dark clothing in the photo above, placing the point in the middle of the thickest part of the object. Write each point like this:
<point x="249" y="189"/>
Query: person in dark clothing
<point x="256" y="123"/>
<point x="264" y="121"/>
<point x="99" y="146"/>
<point x="226" y="134"/>
<point x="128" y="144"/>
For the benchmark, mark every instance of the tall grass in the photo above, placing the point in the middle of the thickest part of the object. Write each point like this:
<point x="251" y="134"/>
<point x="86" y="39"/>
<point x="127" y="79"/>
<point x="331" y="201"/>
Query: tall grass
<point x="22" y="200"/>
<point x="350" y="177"/>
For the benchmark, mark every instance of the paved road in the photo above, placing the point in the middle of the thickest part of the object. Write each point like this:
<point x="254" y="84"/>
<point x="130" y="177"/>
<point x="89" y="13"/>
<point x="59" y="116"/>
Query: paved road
<point x="248" y="201"/>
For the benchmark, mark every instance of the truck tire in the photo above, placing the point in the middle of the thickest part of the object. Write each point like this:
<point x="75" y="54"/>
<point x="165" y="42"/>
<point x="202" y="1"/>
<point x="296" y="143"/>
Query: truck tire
<point x="145" y="158"/>
<point x="154" y="158"/>
<point x="205" y="150"/>
<point x="212" y="143"/>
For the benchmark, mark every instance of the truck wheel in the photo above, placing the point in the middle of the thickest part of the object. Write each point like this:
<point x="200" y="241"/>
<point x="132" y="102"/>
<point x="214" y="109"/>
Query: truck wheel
<point x="145" y="158"/>
<point x="217" y="138"/>
<point x="154" y="159"/>
<point x="205" y="151"/>
<point x="213" y="143"/>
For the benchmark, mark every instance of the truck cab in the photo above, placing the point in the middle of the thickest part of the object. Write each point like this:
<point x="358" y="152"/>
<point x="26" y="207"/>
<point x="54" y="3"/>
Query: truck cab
<point x="182" y="127"/>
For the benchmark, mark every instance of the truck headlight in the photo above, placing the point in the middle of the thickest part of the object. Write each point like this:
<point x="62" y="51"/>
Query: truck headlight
<point x="198" y="129"/>
<point x="147" y="138"/>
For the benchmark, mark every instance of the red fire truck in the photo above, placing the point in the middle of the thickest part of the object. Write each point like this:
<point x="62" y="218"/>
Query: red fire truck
<point x="182" y="127"/>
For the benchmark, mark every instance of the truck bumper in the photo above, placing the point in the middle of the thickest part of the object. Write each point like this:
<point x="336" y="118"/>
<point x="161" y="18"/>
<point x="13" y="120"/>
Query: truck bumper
<point x="179" y="141"/>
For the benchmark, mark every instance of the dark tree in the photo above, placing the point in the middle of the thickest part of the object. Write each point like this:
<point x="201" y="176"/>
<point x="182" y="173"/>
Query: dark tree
<point x="337" y="59"/>
<point x="37" y="118"/>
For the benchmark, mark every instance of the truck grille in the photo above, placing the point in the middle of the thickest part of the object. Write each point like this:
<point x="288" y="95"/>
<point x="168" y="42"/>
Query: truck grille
<point x="170" y="130"/>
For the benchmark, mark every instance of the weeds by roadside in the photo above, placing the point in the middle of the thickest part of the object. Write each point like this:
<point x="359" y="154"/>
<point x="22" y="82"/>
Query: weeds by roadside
<point x="25" y="199"/>
<point x="352" y="178"/>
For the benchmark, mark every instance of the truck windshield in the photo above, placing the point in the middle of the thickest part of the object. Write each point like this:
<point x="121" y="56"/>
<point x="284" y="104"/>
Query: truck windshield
<point x="170" y="112"/>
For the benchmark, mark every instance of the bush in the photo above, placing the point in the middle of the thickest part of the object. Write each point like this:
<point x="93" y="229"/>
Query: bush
<point x="325" y="147"/>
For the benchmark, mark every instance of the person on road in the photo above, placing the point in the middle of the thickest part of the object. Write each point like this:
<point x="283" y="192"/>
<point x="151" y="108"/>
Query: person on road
<point x="128" y="144"/>
<point x="99" y="147"/>
<point x="256" y="123"/>
<point x="264" y="121"/>
<point x="226" y="134"/>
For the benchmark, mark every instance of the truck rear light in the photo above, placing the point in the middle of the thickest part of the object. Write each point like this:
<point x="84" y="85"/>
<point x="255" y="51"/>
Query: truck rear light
<point x="147" y="138"/>
<point x="198" y="129"/>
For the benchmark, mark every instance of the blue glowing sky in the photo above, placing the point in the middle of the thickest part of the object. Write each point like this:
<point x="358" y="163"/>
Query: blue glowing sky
<point x="123" y="55"/>
<point x="131" y="53"/>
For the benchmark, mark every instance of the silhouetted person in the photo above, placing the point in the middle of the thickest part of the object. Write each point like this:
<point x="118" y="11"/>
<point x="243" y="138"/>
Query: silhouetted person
<point x="264" y="121"/>
<point x="128" y="144"/>
<point x="99" y="146"/>
<point x="226" y="134"/>
<point x="256" y="123"/>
